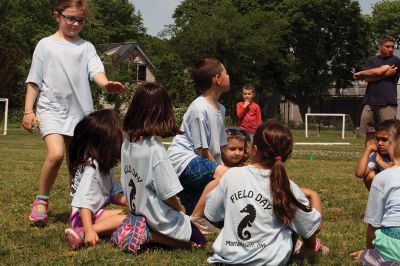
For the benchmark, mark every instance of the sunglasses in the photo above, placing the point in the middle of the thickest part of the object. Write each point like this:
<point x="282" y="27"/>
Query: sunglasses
<point x="236" y="132"/>
<point x="72" y="19"/>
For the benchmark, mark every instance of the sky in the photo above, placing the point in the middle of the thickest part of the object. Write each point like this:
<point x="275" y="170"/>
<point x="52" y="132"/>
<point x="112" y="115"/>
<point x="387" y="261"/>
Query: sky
<point x="157" y="13"/>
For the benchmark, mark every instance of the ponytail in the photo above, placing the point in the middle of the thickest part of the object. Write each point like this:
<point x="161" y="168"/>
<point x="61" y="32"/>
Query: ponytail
<point x="275" y="142"/>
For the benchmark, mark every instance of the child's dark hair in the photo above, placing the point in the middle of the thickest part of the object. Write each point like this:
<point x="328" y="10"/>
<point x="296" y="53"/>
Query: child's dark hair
<point x="150" y="113"/>
<point x="97" y="136"/>
<point x="249" y="87"/>
<point x="275" y="142"/>
<point x="387" y="125"/>
<point x="64" y="4"/>
<point x="204" y="71"/>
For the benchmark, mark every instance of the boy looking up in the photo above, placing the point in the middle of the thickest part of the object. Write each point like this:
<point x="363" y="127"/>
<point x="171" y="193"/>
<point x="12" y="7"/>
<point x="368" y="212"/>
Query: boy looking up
<point x="196" y="154"/>
<point x="248" y="112"/>
<point x="376" y="154"/>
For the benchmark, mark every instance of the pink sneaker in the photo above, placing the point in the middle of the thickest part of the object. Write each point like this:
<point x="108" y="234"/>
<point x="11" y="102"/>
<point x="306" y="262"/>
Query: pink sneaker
<point x="75" y="237"/>
<point x="39" y="211"/>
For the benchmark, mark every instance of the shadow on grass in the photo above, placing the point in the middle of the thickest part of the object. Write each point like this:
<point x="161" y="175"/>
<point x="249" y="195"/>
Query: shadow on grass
<point x="62" y="217"/>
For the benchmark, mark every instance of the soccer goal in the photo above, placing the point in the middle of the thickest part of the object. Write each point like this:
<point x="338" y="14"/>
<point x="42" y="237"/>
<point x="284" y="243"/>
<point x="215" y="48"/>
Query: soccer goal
<point x="319" y="122"/>
<point x="3" y="115"/>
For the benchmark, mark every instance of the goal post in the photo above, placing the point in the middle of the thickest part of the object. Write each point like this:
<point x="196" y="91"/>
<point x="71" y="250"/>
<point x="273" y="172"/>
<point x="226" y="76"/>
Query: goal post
<point x="5" y="100"/>
<point x="343" y="116"/>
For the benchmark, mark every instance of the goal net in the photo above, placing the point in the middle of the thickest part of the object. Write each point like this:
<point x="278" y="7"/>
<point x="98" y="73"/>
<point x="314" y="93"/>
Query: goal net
<point x="328" y="124"/>
<point x="3" y="115"/>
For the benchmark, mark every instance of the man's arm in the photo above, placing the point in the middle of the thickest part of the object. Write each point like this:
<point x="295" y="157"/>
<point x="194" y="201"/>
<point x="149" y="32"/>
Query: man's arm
<point x="377" y="73"/>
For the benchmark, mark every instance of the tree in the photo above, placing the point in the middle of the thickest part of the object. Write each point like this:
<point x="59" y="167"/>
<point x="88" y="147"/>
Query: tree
<point x="385" y="18"/>
<point x="328" y="40"/>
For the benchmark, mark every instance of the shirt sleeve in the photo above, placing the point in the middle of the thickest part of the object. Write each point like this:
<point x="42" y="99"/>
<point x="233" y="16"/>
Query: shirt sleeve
<point x="94" y="62"/>
<point x="240" y="111"/>
<point x="215" y="209"/>
<point x="304" y="223"/>
<point x="258" y="116"/>
<point x="165" y="180"/>
<point x="36" y="72"/>
<point x="88" y="193"/>
<point x="372" y="161"/>
<point x="376" y="204"/>
<point x="198" y="129"/>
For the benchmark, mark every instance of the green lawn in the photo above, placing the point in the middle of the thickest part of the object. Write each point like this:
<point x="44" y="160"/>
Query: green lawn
<point x="331" y="174"/>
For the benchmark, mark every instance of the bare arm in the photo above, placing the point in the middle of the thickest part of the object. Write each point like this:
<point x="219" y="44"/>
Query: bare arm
<point x="377" y="73"/>
<point x="119" y="199"/>
<point x="362" y="165"/>
<point x="381" y="163"/>
<point x="315" y="202"/>
<point x="175" y="203"/>
<point x="29" y="118"/>
<point x="205" y="153"/>
<point x="111" y="86"/>
<point x="91" y="236"/>
<point x="370" y="236"/>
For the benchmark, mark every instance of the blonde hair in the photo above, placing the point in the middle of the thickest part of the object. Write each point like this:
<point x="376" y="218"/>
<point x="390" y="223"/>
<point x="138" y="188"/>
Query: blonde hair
<point x="64" y="4"/>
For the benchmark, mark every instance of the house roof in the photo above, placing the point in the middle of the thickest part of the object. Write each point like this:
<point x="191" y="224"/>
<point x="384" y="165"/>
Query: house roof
<point x="123" y="49"/>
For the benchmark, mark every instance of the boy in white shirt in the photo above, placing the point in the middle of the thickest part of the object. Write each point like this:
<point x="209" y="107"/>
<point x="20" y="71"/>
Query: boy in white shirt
<point x="196" y="154"/>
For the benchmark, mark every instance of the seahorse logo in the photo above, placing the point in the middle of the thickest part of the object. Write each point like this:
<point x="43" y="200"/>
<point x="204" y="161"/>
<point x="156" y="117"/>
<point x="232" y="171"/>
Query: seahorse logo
<point x="246" y="222"/>
<point x="132" y="195"/>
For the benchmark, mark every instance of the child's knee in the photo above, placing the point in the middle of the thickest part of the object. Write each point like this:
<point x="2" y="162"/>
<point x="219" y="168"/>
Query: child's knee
<point x="55" y="157"/>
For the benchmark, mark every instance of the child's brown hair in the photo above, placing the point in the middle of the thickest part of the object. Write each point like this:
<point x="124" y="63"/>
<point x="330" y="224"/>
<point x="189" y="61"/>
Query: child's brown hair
<point x="241" y="135"/>
<point x="249" y="87"/>
<point x="204" y="71"/>
<point x="64" y="4"/>
<point x="150" y="113"/>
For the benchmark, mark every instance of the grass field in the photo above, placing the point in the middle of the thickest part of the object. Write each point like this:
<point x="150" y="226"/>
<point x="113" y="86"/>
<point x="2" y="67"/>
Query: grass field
<point x="331" y="174"/>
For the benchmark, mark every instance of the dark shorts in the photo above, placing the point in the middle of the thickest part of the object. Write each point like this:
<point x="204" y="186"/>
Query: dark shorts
<point x="371" y="116"/>
<point x="195" y="177"/>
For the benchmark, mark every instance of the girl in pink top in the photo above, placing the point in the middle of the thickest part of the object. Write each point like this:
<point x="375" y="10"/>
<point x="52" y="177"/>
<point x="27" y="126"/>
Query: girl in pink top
<point x="248" y="112"/>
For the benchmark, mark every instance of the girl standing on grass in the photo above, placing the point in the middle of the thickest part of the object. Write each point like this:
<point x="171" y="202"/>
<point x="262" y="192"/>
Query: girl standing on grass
<point x="147" y="175"/>
<point x="383" y="214"/>
<point x="94" y="151"/>
<point x="58" y="82"/>
<point x="261" y="207"/>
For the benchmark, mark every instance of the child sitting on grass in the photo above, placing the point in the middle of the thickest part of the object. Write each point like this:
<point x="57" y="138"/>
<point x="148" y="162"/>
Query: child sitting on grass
<point x="261" y="207"/>
<point x="148" y="178"/>
<point x="236" y="152"/>
<point x="383" y="215"/>
<point x="94" y="151"/>
<point x="375" y="157"/>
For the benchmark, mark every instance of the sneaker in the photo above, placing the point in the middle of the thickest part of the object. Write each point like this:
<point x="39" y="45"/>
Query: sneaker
<point x="39" y="211"/>
<point x="75" y="237"/>
<point x="132" y="234"/>
<point x="205" y="226"/>
<point x="320" y="249"/>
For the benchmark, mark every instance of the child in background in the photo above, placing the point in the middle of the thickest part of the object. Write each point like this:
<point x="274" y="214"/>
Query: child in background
<point x="248" y="112"/>
<point x="147" y="175"/>
<point x="58" y="79"/>
<point x="236" y="152"/>
<point x="383" y="214"/>
<point x="94" y="152"/>
<point x="196" y="154"/>
<point x="375" y="157"/>
<point x="261" y="207"/>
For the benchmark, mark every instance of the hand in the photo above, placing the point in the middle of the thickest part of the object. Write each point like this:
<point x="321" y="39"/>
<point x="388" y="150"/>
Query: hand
<point x="91" y="238"/>
<point x="356" y="255"/>
<point x="391" y="71"/>
<point x="246" y="103"/>
<point x="357" y="76"/>
<point x="115" y="87"/>
<point x="29" y="120"/>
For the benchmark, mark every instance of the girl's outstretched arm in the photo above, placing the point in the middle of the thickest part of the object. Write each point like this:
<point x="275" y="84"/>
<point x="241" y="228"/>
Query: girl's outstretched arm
<point x="91" y="236"/>
<point x="111" y="86"/>
<point x="29" y="118"/>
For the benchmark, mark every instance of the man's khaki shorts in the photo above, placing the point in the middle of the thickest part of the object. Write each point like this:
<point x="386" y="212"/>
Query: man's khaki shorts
<point x="371" y="116"/>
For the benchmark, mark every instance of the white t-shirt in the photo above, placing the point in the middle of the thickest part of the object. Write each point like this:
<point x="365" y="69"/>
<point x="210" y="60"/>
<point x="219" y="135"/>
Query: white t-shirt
<point x="383" y="208"/>
<point x="62" y="70"/>
<point x="203" y="127"/>
<point x="148" y="179"/>
<point x="91" y="190"/>
<point x="252" y="233"/>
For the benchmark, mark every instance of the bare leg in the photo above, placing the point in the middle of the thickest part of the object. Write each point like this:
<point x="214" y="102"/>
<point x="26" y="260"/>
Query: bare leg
<point x="55" y="154"/>
<point x="67" y="142"/>
<point x="109" y="221"/>
<point x="198" y="211"/>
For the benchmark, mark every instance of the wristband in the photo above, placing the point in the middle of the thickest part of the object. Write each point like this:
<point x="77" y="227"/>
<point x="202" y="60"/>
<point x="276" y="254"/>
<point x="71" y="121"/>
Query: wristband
<point x="27" y="113"/>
